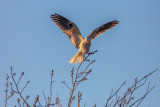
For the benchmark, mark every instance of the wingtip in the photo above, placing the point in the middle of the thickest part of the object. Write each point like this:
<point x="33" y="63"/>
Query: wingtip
<point x="116" y="21"/>
<point x="54" y="15"/>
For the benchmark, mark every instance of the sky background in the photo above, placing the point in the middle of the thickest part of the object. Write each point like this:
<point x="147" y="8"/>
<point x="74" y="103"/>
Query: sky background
<point x="33" y="44"/>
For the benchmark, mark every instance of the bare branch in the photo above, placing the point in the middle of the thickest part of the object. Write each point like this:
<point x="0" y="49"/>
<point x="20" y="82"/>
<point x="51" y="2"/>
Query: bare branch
<point x="72" y="74"/>
<point x="27" y="97"/>
<point x="79" y="98"/>
<point x="75" y="81"/>
<point x="63" y="82"/>
<point x="18" y="100"/>
<point x="131" y="92"/>
<point x="6" y="91"/>
<point x="142" y="98"/>
<point x="36" y="101"/>
<point x="20" y="77"/>
<point x="44" y="96"/>
<point x="127" y="97"/>
<point x="51" y="87"/>
<point x="25" y="86"/>
<point x="111" y="96"/>
<point x="58" y="101"/>
<point x="78" y="76"/>
<point x="12" y="75"/>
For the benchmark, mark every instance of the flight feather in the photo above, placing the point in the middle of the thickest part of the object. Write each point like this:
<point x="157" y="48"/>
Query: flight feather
<point x="95" y="33"/>
<point x="69" y="28"/>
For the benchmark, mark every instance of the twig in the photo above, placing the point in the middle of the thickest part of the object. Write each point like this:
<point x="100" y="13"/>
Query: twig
<point x="51" y="86"/>
<point x="79" y="98"/>
<point x="58" y="101"/>
<point x="111" y="96"/>
<point x="44" y="96"/>
<point x="140" y="99"/>
<point x="124" y="101"/>
<point x="6" y="91"/>
<point x="18" y="89"/>
<point x="63" y="82"/>
<point x="75" y="82"/>
<point x="84" y="78"/>
<point x="24" y="86"/>
<point x="145" y="76"/>
<point x="20" y="77"/>
<point x="27" y="97"/>
<point x="131" y="92"/>
<point x="39" y="104"/>
<point x="80" y="74"/>
<point x="36" y="100"/>
<point x="72" y="74"/>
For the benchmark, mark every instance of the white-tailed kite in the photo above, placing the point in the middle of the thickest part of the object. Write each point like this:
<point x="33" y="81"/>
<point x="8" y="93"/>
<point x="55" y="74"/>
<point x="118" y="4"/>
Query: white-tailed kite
<point x="82" y="44"/>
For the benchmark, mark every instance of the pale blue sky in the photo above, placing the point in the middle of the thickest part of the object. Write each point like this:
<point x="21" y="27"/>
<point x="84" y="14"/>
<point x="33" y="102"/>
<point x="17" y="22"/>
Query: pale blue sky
<point x="32" y="43"/>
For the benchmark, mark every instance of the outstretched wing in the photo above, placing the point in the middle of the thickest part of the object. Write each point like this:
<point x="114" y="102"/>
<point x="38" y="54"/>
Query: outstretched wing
<point x="102" y="29"/>
<point x="69" y="28"/>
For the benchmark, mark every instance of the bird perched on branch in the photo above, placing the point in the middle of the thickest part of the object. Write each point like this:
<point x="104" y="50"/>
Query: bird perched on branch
<point x="82" y="44"/>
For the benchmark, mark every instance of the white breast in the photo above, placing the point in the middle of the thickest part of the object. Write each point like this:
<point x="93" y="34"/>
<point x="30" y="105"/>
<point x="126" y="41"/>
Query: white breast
<point x="85" y="46"/>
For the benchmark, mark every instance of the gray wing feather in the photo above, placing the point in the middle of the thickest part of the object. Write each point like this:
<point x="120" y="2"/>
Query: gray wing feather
<point x="95" y="33"/>
<point x="69" y="28"/>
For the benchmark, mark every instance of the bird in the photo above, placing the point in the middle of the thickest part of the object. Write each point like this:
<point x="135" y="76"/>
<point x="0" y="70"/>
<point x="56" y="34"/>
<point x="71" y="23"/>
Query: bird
<point x="82" y="44"/>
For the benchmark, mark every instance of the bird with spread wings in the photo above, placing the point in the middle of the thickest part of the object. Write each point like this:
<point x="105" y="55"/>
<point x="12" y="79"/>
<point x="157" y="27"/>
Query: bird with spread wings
<point x="82" y="44"/>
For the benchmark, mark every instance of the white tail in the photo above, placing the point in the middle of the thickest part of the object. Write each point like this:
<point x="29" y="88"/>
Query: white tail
<point x="78" y="58"/>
